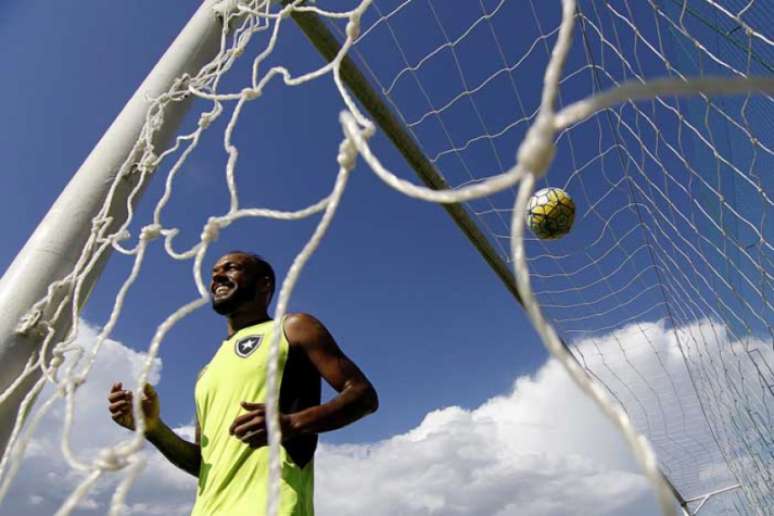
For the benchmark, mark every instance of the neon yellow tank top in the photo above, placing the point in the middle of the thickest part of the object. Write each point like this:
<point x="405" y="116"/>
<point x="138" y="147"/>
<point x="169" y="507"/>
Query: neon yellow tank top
<point x="233" y="477"/>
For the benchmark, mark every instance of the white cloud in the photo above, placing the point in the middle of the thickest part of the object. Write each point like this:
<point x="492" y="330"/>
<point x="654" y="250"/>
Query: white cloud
<point x="541" y="449"/>
<point x="45" y="480"/>
<point x="647" y="368"/>
<point x="545" y="449"/>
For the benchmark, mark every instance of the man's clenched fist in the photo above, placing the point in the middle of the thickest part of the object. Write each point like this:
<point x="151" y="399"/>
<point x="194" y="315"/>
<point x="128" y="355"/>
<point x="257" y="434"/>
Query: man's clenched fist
<point x="120" y="406"/>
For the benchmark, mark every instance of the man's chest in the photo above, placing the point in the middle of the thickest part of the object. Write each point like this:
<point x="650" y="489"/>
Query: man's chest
<point x="238" y="372"/>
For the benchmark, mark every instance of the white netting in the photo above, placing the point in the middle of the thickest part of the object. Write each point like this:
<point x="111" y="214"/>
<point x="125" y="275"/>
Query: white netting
<point x="653" y="239"/>
<point x="674" y="199"/>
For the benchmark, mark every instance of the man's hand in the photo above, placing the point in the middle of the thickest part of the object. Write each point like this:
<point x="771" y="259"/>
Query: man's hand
<point x="120" y="406"/>
<point x="186" y="456"/>
<point x="250" y="427"/>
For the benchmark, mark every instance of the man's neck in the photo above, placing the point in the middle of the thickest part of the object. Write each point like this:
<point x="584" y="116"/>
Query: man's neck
<point x="238" y="321"/>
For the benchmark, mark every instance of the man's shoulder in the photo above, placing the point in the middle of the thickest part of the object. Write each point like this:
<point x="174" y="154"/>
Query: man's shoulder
<point x="302" y="328"/>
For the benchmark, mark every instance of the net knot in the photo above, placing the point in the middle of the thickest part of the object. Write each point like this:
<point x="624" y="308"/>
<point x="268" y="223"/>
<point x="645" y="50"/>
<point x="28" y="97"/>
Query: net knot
<point x="183" y="82"/>
<point x="99" y="223"/>
<point x="353" y="28"/>
<point x="538" y="149"/>
<point x="211" y="230"/>
<point x="56" y="360"/>
<point x="148" y="162"/>
<point x="205" y="119"/>
<point x="157" y="120"/>
<point x="110" y="460"/>
<point x="68" y="386"/>
<point x="347" y="154"/>
<point x="32" y="324"/>
<point x="250" y="94"/>
<point x="225" y="7"/>
<point x="150" y="232"/>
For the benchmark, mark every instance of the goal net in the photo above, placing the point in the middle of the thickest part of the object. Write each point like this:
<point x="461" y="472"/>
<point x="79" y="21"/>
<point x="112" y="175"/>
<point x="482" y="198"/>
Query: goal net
<point x="656" y="117"/>
<point x="672" y="232"/>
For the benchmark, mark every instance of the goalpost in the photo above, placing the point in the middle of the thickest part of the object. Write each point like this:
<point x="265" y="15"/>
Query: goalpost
<point x="117" y="168"/>
<point x="711" y="289"/>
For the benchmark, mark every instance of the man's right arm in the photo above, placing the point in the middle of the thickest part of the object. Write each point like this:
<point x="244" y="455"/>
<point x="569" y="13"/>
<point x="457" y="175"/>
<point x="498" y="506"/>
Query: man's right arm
<point x="183" y="454"/>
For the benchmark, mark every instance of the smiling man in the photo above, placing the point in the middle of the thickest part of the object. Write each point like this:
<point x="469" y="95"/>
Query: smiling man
<point x="229" y="455"/>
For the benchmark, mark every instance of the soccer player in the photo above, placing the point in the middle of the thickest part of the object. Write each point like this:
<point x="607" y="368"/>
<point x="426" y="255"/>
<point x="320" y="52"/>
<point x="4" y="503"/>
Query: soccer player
<point x="230" y="453"/>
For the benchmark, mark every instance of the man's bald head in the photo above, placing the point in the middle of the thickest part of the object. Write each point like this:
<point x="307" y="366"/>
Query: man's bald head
<point x="241" y="279"/>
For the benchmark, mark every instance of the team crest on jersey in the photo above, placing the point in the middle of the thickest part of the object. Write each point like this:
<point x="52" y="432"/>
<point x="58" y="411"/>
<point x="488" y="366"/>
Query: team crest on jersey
<point x="245" y="347"/>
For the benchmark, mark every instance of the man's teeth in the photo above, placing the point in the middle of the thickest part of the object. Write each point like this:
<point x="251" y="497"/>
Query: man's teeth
<point x="221" y="290"/>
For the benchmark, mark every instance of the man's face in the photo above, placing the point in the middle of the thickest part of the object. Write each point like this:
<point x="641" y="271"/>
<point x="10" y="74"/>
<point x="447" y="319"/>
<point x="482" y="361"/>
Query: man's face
<point x="233" y="284"/>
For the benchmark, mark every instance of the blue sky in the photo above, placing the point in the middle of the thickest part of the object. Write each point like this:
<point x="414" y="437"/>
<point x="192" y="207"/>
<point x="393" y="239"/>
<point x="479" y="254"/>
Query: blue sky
<point x="399" y="286"/>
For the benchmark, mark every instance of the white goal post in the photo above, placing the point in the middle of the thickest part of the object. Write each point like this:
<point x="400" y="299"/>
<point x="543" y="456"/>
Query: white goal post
<point x="52" y="251"/>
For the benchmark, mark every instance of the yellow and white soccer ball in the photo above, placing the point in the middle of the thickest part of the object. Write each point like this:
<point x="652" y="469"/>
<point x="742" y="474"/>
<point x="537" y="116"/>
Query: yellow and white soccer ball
<point x="550" y="213"/>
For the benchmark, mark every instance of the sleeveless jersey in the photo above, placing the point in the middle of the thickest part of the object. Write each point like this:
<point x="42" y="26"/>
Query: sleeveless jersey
<point x="233" y="476"/>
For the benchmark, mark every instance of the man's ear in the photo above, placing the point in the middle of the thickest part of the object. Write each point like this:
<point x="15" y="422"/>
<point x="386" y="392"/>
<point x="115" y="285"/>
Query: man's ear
<point x="266" y="286"/>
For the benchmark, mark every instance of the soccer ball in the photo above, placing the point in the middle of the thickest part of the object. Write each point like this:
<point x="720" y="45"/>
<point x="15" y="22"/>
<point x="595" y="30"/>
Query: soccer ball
<point x="550" y="213"/>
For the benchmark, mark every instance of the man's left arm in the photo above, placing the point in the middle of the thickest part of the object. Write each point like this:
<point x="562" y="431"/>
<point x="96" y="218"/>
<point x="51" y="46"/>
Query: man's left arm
<point x="356" y="396"/>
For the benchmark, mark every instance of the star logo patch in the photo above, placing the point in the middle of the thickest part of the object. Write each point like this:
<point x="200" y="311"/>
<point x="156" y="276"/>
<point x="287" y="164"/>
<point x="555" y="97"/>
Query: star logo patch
<point x="245" y="347"/>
